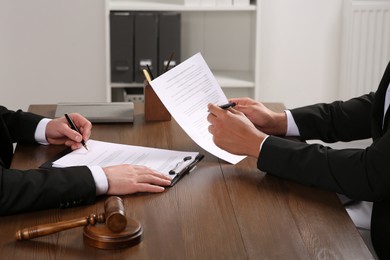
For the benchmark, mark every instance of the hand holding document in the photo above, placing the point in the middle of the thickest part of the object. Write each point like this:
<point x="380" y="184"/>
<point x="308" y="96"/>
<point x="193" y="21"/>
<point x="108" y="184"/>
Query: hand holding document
<point x="185" y="90"/>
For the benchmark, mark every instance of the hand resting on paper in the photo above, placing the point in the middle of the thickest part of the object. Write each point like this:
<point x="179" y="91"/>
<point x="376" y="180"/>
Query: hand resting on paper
<point x="127" y="179"/>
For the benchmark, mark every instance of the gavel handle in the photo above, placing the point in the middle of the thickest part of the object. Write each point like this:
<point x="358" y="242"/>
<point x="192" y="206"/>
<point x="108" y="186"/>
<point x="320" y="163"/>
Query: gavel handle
<point x="47" y="229"/>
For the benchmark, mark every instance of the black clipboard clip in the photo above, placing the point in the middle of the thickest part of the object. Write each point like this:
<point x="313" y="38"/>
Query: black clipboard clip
<point x="184" y="167"/>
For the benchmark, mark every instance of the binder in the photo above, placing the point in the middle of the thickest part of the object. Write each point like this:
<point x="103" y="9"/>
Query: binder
<point x="145" y="43"/>
<point x="169" y="40"/>
<point x="122" y="46"/>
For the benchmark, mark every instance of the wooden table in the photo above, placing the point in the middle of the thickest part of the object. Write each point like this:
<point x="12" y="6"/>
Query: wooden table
<point x="219" y="211"/>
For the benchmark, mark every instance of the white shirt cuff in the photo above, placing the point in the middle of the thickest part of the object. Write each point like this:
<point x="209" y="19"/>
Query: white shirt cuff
<point x="100" y="178"/>
<point x="360" y="214"/>
<point x="40" y="131"/>
<point x="261" y="145"/>
<point x="292" y="128"/>
<point x="98" y="175"/>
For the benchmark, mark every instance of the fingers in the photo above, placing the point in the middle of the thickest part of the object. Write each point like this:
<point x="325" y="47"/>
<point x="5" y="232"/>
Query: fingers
<point x="68" y="132"/>
<point x="213" y="109"/>
<point x="149" y="176"/>
<point x="60" y="132"/>
<point x="128" y="179"/>
<point x="145" y="187"/>
<point x="218" y="115"/>
<point x="242" y="101"/>
<point x="219" y="112"/>
<point x="84" y="125"/>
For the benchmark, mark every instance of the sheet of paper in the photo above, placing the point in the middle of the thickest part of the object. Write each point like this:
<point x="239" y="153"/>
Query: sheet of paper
<point x="185" y="91"/>
<point x="105" y="154"/>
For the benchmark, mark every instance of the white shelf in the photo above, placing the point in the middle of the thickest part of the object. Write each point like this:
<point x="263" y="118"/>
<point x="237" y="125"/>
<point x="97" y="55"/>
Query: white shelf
<point x="226" y="79"/>
<point x="227" y="36"/>
<point x="158" y="6"/>
<point x="126" y="85"/>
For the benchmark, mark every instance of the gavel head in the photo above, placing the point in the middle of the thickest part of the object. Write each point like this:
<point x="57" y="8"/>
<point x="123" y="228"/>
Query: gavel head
<point x="115" y="214"/>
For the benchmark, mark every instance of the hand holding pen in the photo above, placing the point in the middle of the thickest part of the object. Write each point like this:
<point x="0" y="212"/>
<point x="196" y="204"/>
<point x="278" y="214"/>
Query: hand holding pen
<point x="59" y="132"/>
<point x="228" y="105"/>
<point x="74" y="127"/>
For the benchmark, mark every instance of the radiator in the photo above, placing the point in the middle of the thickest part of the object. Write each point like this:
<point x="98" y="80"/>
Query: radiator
<point x="365" y="46"/>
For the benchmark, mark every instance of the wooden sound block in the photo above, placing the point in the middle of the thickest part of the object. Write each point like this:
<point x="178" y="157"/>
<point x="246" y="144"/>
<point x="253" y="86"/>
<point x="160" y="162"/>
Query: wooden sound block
<point x="100" y="236"/>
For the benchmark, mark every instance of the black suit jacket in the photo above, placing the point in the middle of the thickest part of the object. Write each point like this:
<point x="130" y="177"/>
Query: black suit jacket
<point x="361" y="174"/>
<point x="35" y="189"/>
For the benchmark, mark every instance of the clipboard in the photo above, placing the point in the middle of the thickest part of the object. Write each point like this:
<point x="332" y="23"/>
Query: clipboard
<point x="181" y="165"/>
<point x="49" y="164"/>
<point x="185" y="169"/>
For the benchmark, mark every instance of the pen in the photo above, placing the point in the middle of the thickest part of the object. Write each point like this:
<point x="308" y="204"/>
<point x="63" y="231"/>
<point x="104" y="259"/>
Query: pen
<point x="150" y="72"/>
<point x="74" y="127"/>
<point x="147" y="76"/>
<point x="169" y="62"/>
<point x="228" y="105"/>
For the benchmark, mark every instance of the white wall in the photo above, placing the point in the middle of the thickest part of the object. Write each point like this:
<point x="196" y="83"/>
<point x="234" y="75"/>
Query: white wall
<point x="300" y="49"/>
<point x="54" y="50"/>
<point x="51" y="51"/>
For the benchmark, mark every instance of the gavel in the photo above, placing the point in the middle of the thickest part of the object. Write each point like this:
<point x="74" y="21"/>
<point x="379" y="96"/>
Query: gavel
<point x="114" y="217"/>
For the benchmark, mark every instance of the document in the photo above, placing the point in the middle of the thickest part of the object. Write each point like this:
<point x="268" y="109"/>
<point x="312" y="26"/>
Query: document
<point x="169" y="162"/>
<point x="185" y="90"/>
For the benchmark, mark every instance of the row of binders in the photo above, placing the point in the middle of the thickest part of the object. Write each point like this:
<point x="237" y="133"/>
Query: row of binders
<point x="139" y="40"/>
<point x="216" y="2"/>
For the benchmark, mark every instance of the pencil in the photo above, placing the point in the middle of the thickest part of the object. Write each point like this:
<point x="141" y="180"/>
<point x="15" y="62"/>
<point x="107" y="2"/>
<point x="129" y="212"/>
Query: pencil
<point x="147" y="76"/>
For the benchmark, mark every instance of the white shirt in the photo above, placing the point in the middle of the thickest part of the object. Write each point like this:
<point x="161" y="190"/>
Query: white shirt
<point x="99" y="177"/>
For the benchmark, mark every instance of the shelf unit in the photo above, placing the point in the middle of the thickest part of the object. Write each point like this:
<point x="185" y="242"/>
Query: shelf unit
<point x="227" y="36"/>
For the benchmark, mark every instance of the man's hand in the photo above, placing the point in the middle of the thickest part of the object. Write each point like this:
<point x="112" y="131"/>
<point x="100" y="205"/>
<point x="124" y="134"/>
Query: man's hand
<point x="267" y="121"/>
<point x="234" y="132"/>
<point x="128" y="179"/>
<point x="58" y="131"/>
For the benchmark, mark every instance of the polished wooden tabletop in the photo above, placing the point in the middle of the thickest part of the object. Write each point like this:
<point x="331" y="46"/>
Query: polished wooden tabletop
<point x="218" y="211"/>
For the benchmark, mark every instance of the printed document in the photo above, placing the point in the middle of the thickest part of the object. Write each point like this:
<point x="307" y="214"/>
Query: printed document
<point x="106" y="154"/>
<point x="185" y="90"/>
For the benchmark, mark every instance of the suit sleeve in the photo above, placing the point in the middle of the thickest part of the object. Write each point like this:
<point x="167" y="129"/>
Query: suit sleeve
<point x="37" y="189"/>
<point x="21" y="125"/>
<point x="338" y="121"/>
<point x="360" y="174"/>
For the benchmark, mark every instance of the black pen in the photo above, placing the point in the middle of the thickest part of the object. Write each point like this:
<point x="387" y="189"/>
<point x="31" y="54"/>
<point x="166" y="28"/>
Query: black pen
<point x="150" y="72"/>
<point x="74" y="127"/>
<point x="228" y="105"/>
<point x="169" y="62"/>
